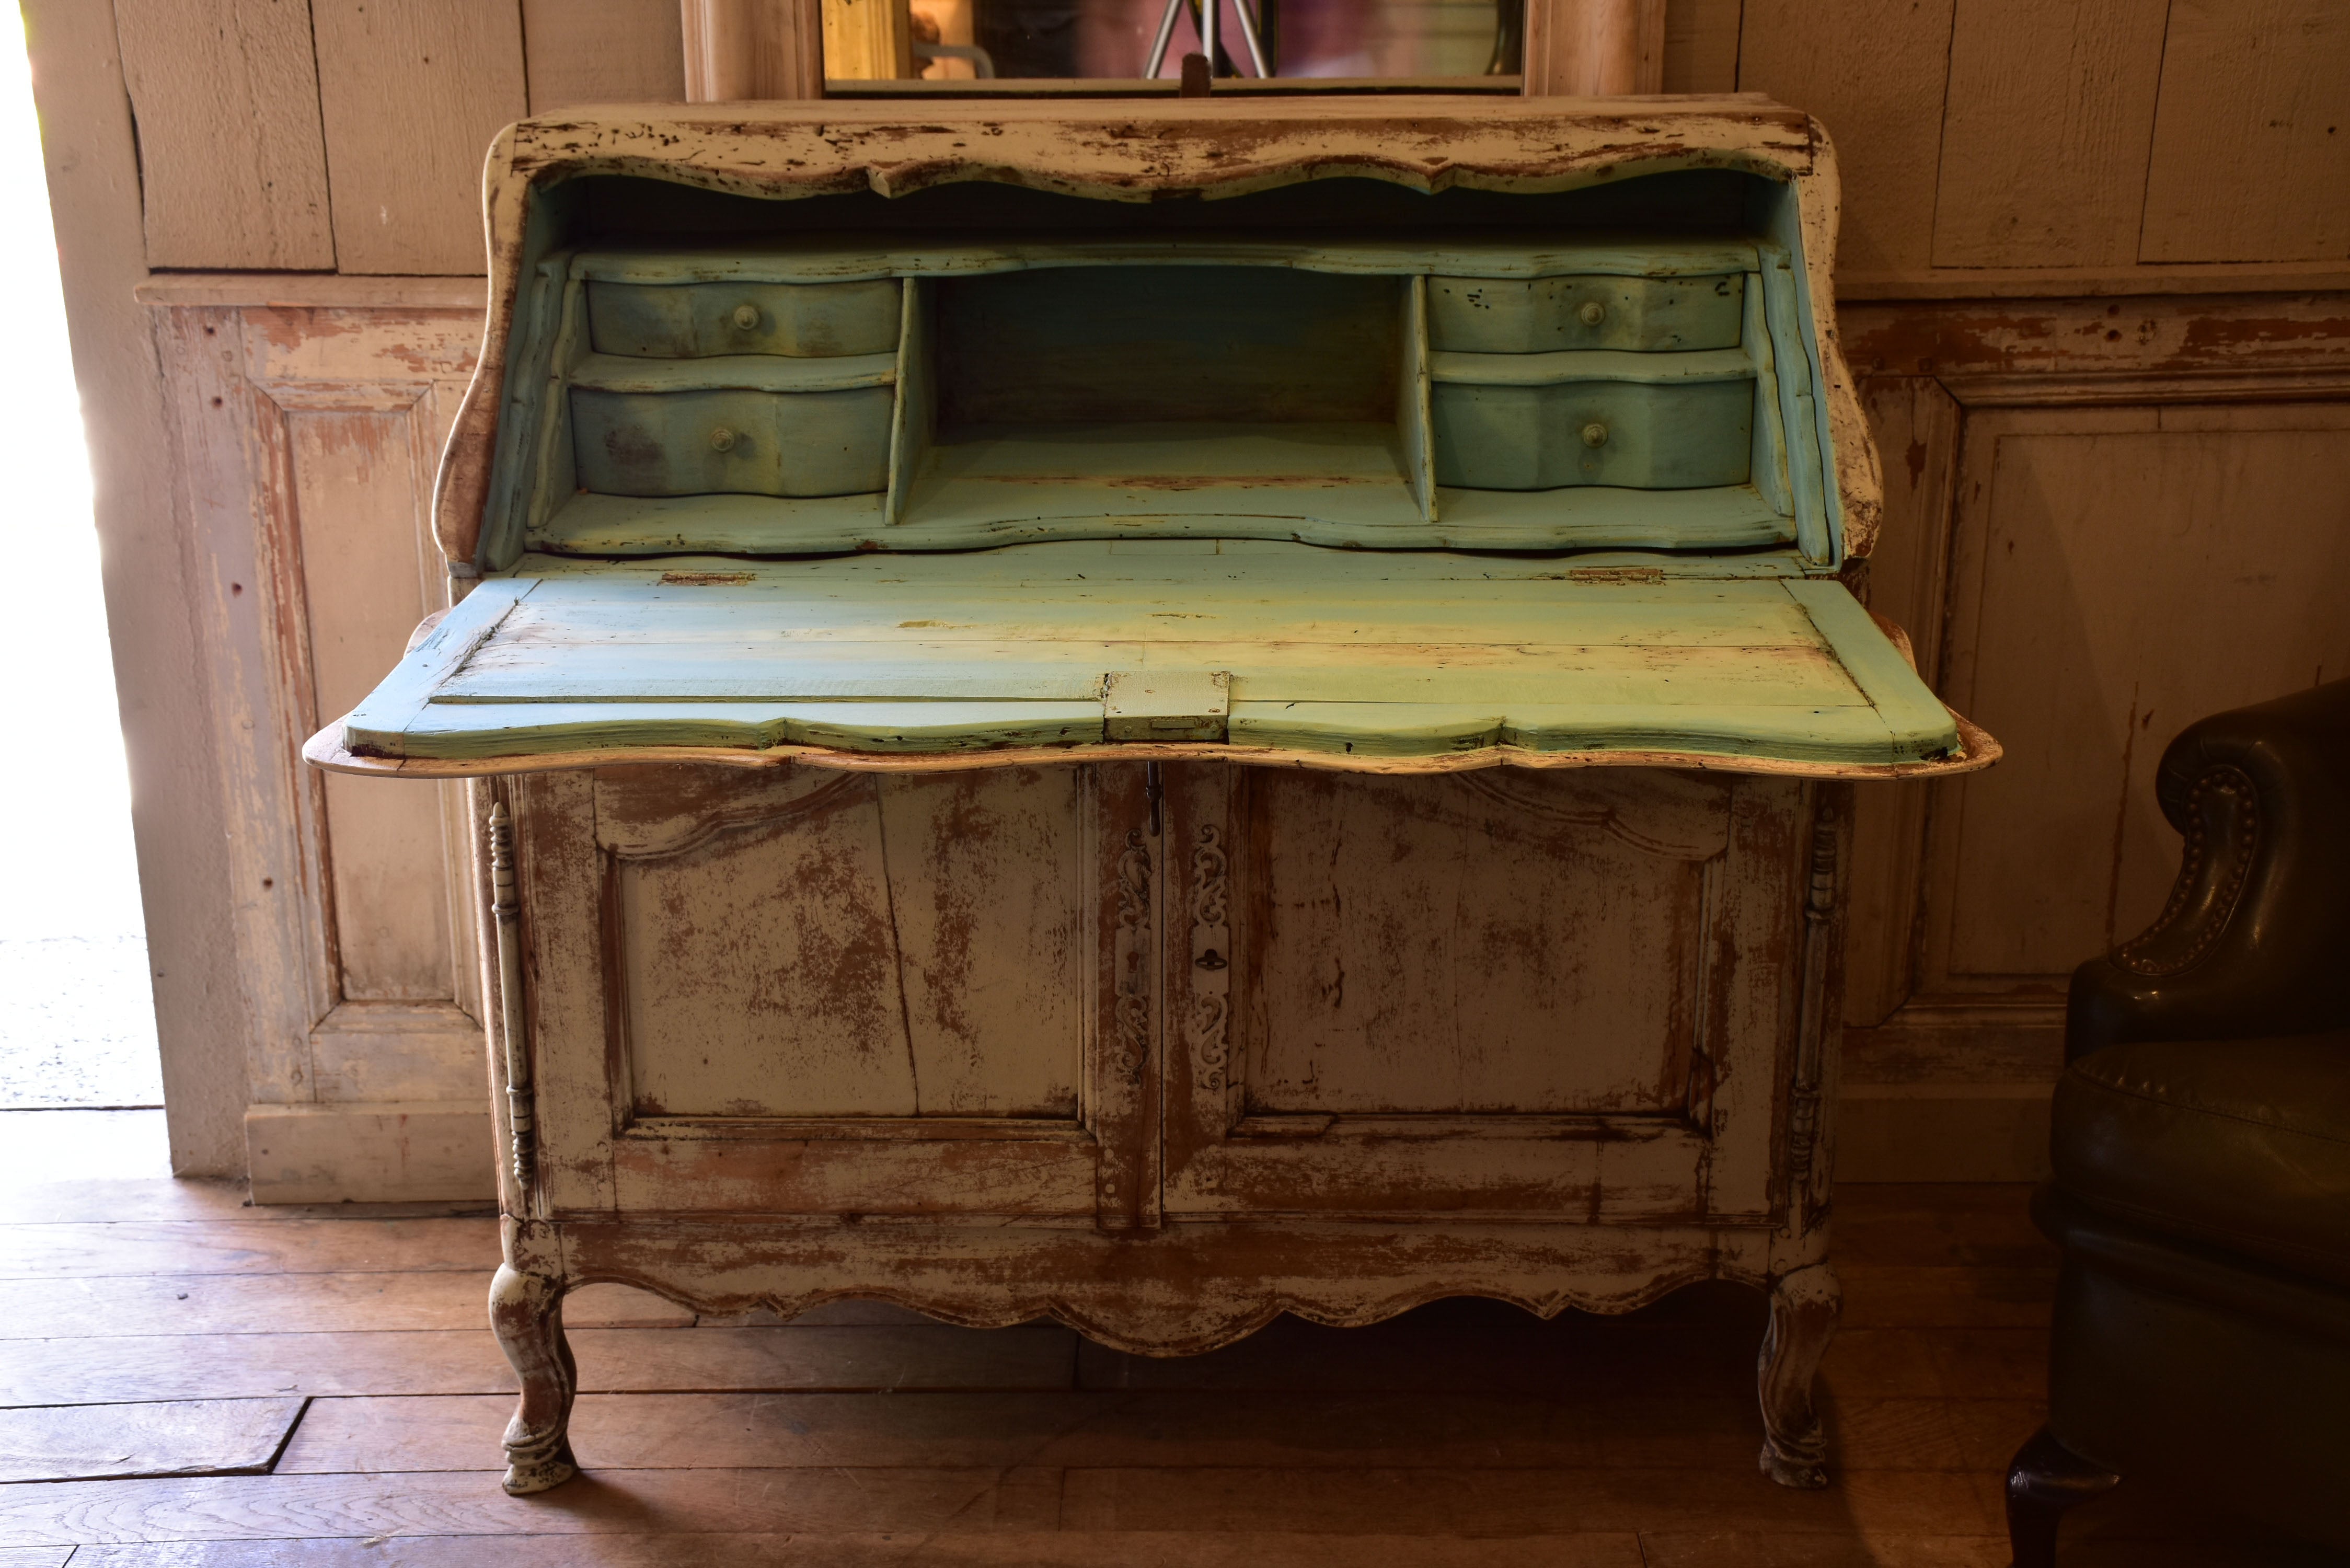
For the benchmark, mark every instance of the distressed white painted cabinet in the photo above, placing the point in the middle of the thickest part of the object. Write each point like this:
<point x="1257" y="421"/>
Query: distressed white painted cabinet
<point x="1155" y="714"/>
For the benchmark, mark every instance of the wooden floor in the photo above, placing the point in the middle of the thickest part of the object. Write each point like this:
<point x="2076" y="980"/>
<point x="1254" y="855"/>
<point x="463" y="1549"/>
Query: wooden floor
<point x="161" y="1325"/>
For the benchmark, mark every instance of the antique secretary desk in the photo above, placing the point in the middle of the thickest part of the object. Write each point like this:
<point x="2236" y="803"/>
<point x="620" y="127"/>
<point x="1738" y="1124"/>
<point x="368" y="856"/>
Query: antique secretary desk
<point x="1156" y="713"/>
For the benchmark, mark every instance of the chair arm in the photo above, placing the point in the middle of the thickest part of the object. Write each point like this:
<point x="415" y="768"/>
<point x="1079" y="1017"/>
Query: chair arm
<point x="2255" y="939"/>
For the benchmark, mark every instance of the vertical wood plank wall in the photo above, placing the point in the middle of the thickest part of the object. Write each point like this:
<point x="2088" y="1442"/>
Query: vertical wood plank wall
<point x="2094" y="276"/>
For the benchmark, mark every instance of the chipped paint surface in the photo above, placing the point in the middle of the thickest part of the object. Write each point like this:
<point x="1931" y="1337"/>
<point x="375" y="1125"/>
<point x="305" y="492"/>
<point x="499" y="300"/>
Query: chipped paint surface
<point x="1979" y="749"/>
<point x="1162" y="1052"/>
<point x="1140" y="151"/>
<point x="1143" y="1041"/>
<point x="2164" y="335"/>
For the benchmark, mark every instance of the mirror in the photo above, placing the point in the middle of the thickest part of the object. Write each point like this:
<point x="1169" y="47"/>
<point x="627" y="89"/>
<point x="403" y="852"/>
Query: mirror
<point x="1327" y="44"/>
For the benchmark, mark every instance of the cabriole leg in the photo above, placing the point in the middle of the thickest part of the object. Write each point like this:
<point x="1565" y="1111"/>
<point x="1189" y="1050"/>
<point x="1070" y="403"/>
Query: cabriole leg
<point x="2045" y="1480"/>
<point x="1803" y="1307"/>
<point x="527" y="1311"/>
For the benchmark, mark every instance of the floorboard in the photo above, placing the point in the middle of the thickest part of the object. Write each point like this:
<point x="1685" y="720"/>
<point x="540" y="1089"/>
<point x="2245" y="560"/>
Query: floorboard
<point x="59" y="1250"/>
<point x="121" y="1307"/>
<point x="99" y="1442"/>
<point x="105" y="1369"/>
<point x="1152" y="1430"/>
<point x="862" y="1435"/>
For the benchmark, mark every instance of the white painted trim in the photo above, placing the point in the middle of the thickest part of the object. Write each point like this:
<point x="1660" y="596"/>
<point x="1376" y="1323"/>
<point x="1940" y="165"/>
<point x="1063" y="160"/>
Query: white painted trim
<point x="407" y="1151"/>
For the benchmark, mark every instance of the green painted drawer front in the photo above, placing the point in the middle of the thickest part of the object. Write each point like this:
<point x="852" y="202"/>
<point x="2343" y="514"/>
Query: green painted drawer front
<point x="1534" y="315"/>
<point x="1670" y="436"/>
<point x="733" y="441"/>
<point x="689" y="321"/>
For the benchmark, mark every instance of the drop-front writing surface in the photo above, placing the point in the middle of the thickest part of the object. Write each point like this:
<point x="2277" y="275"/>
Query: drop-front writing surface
<point x="1358" y="660"/>
<point x="1158" y="714"/>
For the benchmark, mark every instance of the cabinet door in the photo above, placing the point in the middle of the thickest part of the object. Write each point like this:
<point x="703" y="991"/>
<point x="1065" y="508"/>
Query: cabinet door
<point x="1506" y="992"/>
<point x="803" y="991"/>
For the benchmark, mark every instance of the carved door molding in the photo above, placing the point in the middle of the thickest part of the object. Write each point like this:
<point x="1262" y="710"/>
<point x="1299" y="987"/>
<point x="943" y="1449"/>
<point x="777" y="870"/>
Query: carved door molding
<point x="1620" y="1054"/>
<point x="804" y="991"/>
<point x="1592" y="1087"/>
<point x="306" y="443"/>
<point x="2104" y="518"/>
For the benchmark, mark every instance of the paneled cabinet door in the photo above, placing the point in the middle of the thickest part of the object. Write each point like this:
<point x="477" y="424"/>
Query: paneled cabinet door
<point x="804" y="991"/>
<point x="1506" y="992"/>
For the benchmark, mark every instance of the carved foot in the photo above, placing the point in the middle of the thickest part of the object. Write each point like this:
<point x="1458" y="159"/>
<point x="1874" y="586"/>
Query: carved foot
<point x="2046" y="1480"/>
<point x="527" y="1311"/>
<point x="1803" y="1307"/>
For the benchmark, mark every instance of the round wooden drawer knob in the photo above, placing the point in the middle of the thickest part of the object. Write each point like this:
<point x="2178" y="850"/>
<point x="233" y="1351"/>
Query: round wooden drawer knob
<point x="1595" y="435"/>
<point x="1592" y="313"/>
<point x="747" y="317"/>
<point x="722" y="440"/>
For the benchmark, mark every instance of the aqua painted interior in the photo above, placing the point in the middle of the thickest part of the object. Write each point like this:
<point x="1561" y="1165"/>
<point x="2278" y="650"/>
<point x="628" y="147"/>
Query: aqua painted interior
<point x="1287" y="390"/>
<point x="1549" y="473"/>
<point x="1253" y="367"/>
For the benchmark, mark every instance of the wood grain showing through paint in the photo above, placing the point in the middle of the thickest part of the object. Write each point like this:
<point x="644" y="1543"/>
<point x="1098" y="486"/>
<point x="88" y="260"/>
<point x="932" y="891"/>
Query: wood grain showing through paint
<point x="918" y="655"/>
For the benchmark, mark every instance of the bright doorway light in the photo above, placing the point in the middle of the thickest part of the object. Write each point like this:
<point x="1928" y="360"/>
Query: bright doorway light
<point x="76" y="1010"/>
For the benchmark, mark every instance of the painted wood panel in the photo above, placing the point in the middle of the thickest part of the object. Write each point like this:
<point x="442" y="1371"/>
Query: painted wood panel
<point x="413" y="92"/>
<point x="760" y="972"/>
<point x="1483" y="993"/>
<point x="306" y="445"/>
<point x="875" y="947"/>
<point x="2215" y="346"/>
<point x="1949" y="1073"/>
<point x="603" y="51"/>
<point x="1872" y="71"/>
<point x="802" y="991"/>
<point x="986" y="890"/>
<point x="231" y="155"/>
<point x="567" y="983"/>
<point x="376" y="1053"/>
<point x="2251" y="138"/>
<point x="1917" y="424"/>
<point x="361" y="406"/>
<point x="2045" y="132"/>
<point x="220" y="426"/>
<point x="1495" y="942"/>
<point x="2118" y="575"/>
<point x="1607" y="1090"/>
<point x="2245" y="93"/>
<point x="356" y="475"/>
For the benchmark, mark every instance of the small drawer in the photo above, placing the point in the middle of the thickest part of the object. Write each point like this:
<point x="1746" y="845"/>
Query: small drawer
<point x="733" y="441"/>
<point x="1670" y="436"/>
<point x="1535" y="316"/>
<point x="694" y="320"/>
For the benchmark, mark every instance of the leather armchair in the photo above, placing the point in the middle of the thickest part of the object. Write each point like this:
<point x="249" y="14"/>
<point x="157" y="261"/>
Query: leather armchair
<point x="2200" y="1139"/>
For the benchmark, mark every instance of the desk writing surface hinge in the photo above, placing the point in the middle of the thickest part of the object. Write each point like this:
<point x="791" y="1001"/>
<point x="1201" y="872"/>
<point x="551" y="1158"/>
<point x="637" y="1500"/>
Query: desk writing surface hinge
<point x="1167" y="704"/>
